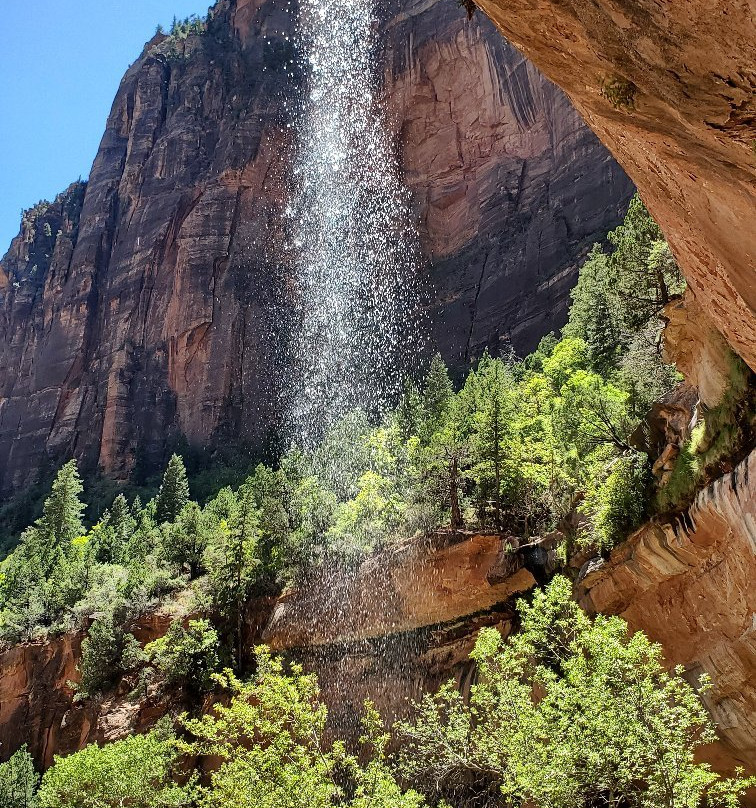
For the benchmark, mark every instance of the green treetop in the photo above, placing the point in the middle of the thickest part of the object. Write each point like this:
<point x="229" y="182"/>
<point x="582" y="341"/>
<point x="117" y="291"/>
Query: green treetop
<point x="609" y="726"/>
<point x="174" y="491"/>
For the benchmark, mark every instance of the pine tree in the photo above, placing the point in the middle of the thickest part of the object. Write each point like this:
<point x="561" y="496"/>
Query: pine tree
<point x="437" y="396"/>
<point x="60" y="522"/>
<point x="409" y="412"/>
<point x="184" y="542"/>
<point x="489" y="391"/>
<point x="18" y="781"/>
<point x="174" y="491"/>
<point x="233" y="564"/>
<point x="122" y="525"/>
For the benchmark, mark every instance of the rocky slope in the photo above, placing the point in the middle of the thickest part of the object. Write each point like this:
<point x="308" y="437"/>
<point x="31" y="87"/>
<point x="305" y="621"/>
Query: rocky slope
<point x="678" y="111"/>
<point x="156" y="311"/>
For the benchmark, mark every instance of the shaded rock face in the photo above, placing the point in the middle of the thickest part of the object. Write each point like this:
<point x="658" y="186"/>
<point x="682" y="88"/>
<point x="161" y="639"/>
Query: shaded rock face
<point x="161" y="314"/>
<point x="509" y="185"/>
<point x="682" y="76"/>
<point x="690" y="586"/>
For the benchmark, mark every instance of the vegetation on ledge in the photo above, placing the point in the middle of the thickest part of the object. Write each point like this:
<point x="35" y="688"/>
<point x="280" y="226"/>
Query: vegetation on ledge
<point x="524" y="447"/>
<point x="610" y="726"/>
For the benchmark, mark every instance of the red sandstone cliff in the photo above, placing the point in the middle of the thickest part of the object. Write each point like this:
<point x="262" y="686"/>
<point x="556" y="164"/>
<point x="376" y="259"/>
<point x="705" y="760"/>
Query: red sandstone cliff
<point x="159" y="314"/>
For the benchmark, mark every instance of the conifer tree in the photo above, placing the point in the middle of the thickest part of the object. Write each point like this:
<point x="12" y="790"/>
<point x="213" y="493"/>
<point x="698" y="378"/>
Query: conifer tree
<point x="184" y="542"/>
<point x="233" y="564"/>
<point x="174" y="491"/>
<point x="60" y="522"/>
<point x="437" y="396"/>
<point x="18" y="781"/>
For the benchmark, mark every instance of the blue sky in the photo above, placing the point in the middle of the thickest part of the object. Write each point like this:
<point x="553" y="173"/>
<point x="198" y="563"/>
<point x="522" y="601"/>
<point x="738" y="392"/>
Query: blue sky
<point x="60" y="65"/>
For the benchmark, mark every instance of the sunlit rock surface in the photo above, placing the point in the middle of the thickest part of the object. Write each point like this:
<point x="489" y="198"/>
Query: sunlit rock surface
<point x="164" y="316"/>
<point x="691" y="585"/>
<point x="418" y="583"/>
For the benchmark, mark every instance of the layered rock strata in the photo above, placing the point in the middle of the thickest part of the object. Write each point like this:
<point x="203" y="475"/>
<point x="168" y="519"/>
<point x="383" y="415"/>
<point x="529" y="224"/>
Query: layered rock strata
<point x="162" y="313"/>
<point x="690" y="586"/>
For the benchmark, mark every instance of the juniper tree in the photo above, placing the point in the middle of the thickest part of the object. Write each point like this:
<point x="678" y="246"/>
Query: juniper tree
<point x="18" y="781"/>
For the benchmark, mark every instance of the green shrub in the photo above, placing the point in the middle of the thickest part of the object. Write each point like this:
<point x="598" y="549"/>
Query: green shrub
<point x="137" y="772"/>
<point x="611" y="726"/>
<point x="620" y="92"/>
<point x="106" y="653"/>
<point x="619" y="505"/>
<point x="271" y="749"/>
<point x="187" y="655"/>
<point x="722" y="434"/>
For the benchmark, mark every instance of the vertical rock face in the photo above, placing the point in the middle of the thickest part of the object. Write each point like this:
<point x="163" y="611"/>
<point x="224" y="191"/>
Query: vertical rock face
<point x="690" y="586"/>
<point x="158" y="313"/>
<point x="511" y="188"/>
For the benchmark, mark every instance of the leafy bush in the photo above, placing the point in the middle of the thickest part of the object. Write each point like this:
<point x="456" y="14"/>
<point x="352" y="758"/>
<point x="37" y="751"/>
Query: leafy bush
<point x="137" y="772"/>
<point x="610" y="725"/>
<point x="619" y="91"/>
<point x="272" y="750"/>
<point x="718" y="440"/>
<point x="187" y="655"/>
<point x="617" y="506"/>
<point x="106" y="652"/>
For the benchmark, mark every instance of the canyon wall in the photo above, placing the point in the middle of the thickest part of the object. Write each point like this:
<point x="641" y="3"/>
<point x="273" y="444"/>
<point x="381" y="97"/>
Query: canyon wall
<point x="670" y="88"/>
<point x="689" y="585"/>
<point x="157" y="309"/>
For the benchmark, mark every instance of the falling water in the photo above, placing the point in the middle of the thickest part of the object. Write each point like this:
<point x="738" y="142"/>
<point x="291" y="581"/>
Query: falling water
<point x="355" y="246"/>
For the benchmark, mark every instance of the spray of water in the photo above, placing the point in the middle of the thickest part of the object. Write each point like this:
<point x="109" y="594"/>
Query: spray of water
<point x="356" y="248"/>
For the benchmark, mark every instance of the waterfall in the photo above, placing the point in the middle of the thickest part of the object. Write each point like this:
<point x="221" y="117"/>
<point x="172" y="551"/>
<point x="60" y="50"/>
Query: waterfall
<point x="356" y="248"/>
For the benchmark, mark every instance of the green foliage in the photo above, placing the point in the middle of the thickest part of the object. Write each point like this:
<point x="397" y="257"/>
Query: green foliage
<point x="721" y="436"/>
<point x="272" y="751"/>
<point x="186" y="538"/>
<point x="609" y="725"/>
<point x="137" y="772"/>
<point x="192" y="25"/>
<point x="18" y="781"/>
<point x="619" y="91"/>
<point x="106" y="652"/>
<point x="620" y="293"/>
<point x="174" y="491"/>
<point x="187" y="655"/>
<point x="233" y="563"/>
<point x="618" y="506"/>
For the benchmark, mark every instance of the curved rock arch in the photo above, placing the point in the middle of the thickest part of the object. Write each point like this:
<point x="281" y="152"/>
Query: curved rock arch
<point x="670" y="89"/>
